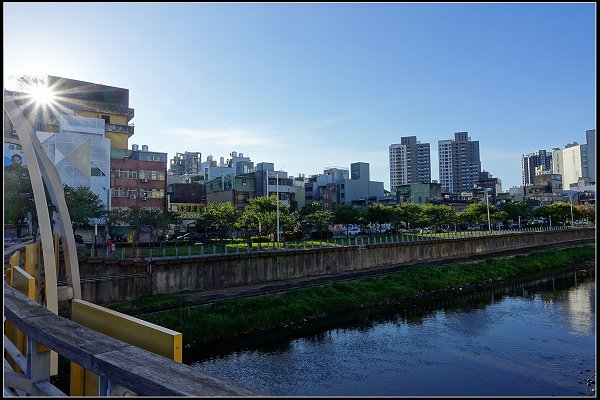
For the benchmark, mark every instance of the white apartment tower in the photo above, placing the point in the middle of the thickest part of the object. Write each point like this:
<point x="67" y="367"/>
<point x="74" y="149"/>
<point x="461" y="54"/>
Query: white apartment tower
<point x="570" y="162"/>
<point x="460" y="164"/>
<point x="530" y="162"/>
<point x="398" y="168"/>
<point x="409" y="162"/>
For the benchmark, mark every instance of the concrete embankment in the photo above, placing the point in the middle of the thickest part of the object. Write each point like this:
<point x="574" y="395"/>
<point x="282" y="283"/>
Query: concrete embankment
<point x="110" y="281"/>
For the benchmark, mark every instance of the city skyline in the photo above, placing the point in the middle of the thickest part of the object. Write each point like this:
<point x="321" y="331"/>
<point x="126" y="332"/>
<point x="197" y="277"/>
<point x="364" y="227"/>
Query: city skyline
<point x="309" y="86"/>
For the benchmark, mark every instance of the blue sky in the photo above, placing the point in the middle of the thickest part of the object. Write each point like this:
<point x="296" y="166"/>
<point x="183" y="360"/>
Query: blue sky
<point x="312" y="85"/>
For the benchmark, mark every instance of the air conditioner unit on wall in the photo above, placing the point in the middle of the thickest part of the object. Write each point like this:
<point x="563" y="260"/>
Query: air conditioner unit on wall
<point x="144" y="198"/>
<point x="133" y="196"/>
<point x="144" y="180"/>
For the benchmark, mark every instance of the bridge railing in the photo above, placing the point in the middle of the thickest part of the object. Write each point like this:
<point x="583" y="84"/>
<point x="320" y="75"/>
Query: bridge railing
<point x="114" y="361"/>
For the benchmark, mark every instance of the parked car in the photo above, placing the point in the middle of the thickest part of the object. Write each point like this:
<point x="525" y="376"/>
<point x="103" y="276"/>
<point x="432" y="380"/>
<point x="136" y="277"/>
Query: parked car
<point x="119" y="238"/>
<point x="195" y="236"/>
<point x="514" y="225"/>
<point x="354" y="231"/>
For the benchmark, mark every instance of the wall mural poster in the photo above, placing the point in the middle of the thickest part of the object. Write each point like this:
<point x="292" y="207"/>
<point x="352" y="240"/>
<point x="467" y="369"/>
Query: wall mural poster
<point x="227" y="182"/>
<point x="13" y="155"/>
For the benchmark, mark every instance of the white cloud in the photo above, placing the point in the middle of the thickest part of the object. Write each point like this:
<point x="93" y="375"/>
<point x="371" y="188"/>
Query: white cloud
<point x="228" y="137"/>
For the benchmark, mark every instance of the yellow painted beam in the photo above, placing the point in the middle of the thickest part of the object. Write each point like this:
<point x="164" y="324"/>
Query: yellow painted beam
<point x="140" y="333"/>
<point x="32" y="264"/>
<point x="137" y="332"/>
<point x="24" y="282"/>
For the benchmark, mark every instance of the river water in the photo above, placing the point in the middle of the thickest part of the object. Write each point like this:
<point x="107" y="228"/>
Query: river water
<point x="535" y="338"/>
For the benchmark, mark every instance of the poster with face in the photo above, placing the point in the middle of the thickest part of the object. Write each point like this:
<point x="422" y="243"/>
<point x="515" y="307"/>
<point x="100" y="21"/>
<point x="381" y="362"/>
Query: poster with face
<point x="13" y="155"/>
<point x="227" y="182"/>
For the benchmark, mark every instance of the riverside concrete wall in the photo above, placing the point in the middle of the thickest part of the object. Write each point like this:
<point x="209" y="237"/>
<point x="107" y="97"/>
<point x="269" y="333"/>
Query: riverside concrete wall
<point x="125" y="279"/>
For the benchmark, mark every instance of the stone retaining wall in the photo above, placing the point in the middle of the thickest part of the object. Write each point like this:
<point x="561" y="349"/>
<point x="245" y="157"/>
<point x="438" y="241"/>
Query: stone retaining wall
<point x="117" y="280"/>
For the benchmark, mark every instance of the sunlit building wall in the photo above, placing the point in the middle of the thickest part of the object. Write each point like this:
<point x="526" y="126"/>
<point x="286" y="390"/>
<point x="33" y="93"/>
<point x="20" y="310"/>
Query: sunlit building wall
<point x="97" y="101"/>
<point x="80" y="152"/>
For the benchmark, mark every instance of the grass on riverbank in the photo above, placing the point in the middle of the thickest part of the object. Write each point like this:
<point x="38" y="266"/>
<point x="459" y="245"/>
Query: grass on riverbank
<point x="231" y="317"/>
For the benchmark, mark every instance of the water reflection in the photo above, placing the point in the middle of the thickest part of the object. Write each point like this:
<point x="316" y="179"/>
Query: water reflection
<point x="533" y="338"/>
<point x="580" y="309"/>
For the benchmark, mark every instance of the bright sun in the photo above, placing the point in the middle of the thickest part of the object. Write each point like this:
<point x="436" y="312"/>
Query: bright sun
<point x="41" y="94"/>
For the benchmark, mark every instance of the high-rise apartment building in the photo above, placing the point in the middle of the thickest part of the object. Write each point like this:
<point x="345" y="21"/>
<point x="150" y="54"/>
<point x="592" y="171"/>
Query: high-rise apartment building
<point x="571" y="163"/>
<point x="576" y="161"/>
<point x="409" y="162"/>
<point x="531" y="161"/>
<point x="460" y="164"/>
<point x="590" y="136"/>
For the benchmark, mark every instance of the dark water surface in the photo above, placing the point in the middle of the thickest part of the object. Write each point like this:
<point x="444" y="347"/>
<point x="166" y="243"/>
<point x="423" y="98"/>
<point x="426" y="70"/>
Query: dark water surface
<point x="529" y="339"/>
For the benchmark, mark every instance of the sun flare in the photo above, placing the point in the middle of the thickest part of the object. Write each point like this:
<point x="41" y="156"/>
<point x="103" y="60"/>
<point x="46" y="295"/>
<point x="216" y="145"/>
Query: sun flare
<point x="41" y="94"/>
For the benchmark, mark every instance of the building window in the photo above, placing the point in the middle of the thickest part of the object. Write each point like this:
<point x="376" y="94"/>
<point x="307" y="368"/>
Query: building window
<point x="106" y="118"/>
<point x="97" y="172"/>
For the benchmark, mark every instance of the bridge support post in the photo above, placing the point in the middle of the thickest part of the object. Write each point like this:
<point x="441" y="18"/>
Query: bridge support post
<point x="38" y="361"/>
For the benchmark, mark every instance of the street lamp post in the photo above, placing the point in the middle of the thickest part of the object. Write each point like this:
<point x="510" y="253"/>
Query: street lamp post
<point x="277" y="191"/>
<point x="571" y="202"/>
<point x="487" y="202"/>
<point x="409" y="201"/>
<point x="107" y="213"/>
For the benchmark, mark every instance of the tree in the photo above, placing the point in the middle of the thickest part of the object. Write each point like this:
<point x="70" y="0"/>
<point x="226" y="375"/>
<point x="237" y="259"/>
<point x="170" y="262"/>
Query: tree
<point x="498" y="216"/>
<point x="306" y="224"/>
<point x="222" y="216"/>
<point x="438" y="215"/>
<point x="477" y="213"/>
<point x="517" y="209"/>
<point x="18" y="196"/>
<point x="409" y="213"/>
<point x="151" y="220"/>
<point x="115" y="218"/>
<point x="380" y="214"/>
<point x="542" y="211"/>
<point x="586" y="212"/>
<point x="83" y="205"/>
<point x="561" y="211"/>
<point x="260" y="215"/>
<point x="348" y="215"/>
<point x="319" y="220"/>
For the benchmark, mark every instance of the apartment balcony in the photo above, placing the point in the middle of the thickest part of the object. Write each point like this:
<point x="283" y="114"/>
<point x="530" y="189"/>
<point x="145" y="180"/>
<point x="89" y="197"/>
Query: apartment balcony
<point x="52" y="128"/>
<point x="128" y="129"/>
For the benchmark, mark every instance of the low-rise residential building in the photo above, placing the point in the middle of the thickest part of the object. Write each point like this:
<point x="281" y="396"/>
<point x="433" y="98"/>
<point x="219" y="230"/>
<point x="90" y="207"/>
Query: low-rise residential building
<point x="268" y="182"/>
<point x="138" y="178"/>
<point x="419" y="193"/>
<point x="487" y="184"/>
<point x="237" y="164"/>
<point x="234" y="189"/>
<point x="343" y="187"/>
<point x="547" y="189"/>
<point x="187" y="163"/>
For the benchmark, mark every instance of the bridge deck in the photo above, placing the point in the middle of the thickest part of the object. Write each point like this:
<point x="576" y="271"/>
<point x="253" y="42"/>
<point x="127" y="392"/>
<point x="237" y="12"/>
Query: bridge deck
<point x="141" y="371"/>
